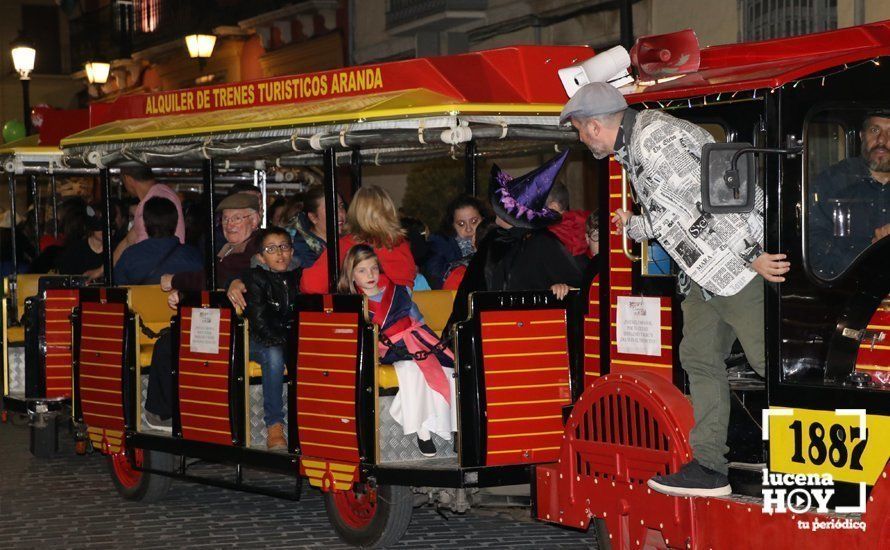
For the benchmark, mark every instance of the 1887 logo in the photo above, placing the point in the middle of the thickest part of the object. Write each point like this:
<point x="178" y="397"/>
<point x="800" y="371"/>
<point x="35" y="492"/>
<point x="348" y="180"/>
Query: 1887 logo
<point x="817" y="446"/>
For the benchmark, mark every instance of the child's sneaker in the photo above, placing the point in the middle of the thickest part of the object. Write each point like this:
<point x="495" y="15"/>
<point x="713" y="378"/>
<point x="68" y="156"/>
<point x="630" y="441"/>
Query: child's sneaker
<point x="427" y="447"/>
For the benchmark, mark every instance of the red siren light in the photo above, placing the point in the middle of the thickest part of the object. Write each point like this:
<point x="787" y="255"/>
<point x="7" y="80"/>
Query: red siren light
<point x="666" y="55"/>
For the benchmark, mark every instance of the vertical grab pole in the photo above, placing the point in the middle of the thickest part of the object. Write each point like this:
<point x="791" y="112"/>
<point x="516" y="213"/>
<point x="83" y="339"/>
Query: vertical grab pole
<point x="259" y="180"/>
<point x="13" y="286"/>
<point x="210" y="207"/>
<point x="12" y="225"/>
<point x="34" y="194"/>
<point x="355" y="168"/>
<point x="107" y="252"/>
<point x="55" y="205"/>
<point x="470" y="168"/>
<point x="330" y="210"/>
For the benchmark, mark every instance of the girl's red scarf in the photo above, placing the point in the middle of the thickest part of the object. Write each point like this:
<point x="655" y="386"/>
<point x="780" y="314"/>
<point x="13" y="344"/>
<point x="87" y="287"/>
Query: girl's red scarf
<point x="409" y="331"/>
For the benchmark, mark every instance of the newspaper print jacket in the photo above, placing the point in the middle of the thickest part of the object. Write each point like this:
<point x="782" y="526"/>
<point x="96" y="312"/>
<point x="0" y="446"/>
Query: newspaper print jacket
<point x="662" y="157"/>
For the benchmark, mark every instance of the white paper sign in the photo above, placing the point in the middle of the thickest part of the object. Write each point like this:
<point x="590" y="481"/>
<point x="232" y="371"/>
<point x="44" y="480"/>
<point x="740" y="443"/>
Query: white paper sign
<point x="639" y="325"/>
<point x="204" y="336"/>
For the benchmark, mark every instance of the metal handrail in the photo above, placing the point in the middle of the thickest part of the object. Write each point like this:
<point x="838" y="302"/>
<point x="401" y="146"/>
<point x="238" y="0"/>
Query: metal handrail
<point x="625" y="247"/>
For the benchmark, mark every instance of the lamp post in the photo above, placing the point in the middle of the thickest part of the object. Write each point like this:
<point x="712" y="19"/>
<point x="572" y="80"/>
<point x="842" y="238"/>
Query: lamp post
<point x="97" y="71"/>
<point x="23" y="57"/>
<point x="200" y="47"/>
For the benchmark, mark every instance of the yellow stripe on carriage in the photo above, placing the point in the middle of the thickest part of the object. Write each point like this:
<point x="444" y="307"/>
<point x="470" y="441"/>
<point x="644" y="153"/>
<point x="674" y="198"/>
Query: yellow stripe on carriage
<point x="319" y="415"/>
<point x="347" y="340"/>
<point x="206" y="430"/>
<point x="314" y="369"/>
<point x="535" y="354"/>
<point x="94" y="377"/>
<point x="199" y="388"/>
<point x="203" y="403"/>
<point x="524" y="370"/>
<point x="333" y="466"/>
<point x="524" y="434"/>
<point x="205" y="375"/>
<point x="526" y="386"/>
<point x="342" y="386"/>
<point x="315" y="324"/>
<point x="316" y="354"/>
<point x="519" y="419"/>
<point x="202" y="361"/>
<point x="523" y="450"/>
<point x="528" y="402"/>
<point x="325" y="430"/>
<point x="196" y="415"/>
<point x="640" y="364"/>
<point x="328" y="445"/>
<point x="326" y="400"/>
<point x="527" y="339"/>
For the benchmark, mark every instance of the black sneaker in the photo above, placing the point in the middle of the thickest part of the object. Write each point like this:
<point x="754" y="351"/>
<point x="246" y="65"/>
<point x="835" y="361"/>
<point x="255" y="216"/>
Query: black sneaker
<point x="692" y="480"/>
<point x="427" y="447"/>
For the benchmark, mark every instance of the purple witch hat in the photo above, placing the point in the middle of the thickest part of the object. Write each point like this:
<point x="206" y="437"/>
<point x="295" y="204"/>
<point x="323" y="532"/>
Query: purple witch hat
<point x="522" y="201"/>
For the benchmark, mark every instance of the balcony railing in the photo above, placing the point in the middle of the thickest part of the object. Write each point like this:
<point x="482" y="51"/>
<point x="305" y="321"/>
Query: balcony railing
<point x="442" y="13"/>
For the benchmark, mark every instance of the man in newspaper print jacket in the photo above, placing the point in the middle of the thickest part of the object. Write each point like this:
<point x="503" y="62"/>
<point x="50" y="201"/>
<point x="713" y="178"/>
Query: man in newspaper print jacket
<point x="720" y="256"/>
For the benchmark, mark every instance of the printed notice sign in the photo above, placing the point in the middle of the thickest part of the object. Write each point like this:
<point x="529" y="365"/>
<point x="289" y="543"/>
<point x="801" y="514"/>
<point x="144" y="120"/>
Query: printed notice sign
<point x="204" y="336"/>
<point x="639" y="325"/>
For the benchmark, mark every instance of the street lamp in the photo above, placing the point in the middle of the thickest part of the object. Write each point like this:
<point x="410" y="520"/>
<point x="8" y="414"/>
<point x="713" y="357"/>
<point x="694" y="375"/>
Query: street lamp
<point x="200" y="47"/>
<point x="97" y="71"/>
<point x="23" y="57"/>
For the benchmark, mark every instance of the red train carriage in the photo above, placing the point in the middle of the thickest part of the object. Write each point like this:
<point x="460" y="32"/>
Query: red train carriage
<point x="584" y="421"/>
<point x="341" y="436"/>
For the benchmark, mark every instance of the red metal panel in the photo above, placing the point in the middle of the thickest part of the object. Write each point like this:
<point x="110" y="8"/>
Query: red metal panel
<point x="592" y="344"/>
<point x="526" y="364"/>
<point x="326" y="381"/>
<point x="100" y="363"/>
<point x="874" y="352"/>
<point x="620" y="284"/>
<point x="772" y="63"/>
<point x="57" y="310"/>
<point x="203" y="384"/>
<point x="518" y="74"/>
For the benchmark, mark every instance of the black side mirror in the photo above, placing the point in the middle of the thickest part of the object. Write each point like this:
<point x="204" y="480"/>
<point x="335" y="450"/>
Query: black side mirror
<point x="727" y="186"/>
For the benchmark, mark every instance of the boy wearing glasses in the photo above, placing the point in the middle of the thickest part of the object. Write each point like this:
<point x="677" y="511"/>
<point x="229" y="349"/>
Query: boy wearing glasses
<point x="272" y="288"/>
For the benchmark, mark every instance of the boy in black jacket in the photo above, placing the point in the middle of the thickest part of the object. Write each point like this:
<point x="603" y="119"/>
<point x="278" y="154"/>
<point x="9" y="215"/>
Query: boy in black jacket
<point x="271" y="292"/>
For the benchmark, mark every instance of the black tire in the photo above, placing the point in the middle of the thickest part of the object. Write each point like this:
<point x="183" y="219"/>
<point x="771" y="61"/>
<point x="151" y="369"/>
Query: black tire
<point x="603" y="542"/>
<point x="141" y="486"/>
<point x="388" y="522"/>
<point x="45" y="439"/>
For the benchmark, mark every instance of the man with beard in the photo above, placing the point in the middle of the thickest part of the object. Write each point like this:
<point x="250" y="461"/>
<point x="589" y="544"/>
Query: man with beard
<point x="662" y="156"/>
<point x="849" y="201"/>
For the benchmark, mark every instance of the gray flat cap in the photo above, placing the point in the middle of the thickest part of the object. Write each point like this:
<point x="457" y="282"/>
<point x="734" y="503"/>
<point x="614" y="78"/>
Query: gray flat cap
<point x="596" y="98"/>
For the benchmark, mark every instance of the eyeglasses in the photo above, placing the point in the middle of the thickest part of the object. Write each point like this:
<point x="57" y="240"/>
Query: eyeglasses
<point x="275" y="248"/>
<point x="235" y="219"/>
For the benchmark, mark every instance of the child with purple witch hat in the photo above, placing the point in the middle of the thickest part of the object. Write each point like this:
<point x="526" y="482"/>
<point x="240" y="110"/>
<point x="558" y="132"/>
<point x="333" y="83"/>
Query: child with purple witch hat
<point x="520" y="254"/>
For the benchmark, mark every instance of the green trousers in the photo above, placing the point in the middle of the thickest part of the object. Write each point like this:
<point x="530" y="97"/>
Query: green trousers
<point x="709" y="330"/>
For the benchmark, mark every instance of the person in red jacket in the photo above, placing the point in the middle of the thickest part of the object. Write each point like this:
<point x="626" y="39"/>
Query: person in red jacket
<point x="570" y="230"/>
<point x="372" y="219"/>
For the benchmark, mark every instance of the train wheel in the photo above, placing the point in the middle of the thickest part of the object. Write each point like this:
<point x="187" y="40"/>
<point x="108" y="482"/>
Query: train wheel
<point x="133" y="484"/>
<point x="370" y="517"/>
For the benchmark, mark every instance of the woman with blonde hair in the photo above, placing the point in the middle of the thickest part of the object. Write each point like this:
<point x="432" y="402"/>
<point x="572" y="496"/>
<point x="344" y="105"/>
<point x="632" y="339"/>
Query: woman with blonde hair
<point x="372" y="220"/>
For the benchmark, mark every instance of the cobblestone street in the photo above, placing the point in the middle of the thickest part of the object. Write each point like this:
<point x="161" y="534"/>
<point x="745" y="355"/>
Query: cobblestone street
<point x="69" y="502"/>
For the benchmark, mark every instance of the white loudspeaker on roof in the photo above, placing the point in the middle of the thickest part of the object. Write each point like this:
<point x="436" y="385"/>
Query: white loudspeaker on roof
<point x="608" y="66"/>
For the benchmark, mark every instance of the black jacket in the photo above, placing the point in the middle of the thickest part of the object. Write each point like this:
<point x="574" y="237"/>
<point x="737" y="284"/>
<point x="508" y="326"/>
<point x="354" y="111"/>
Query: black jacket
<point x="516" y="259"/>
<point x="270" y="301"/>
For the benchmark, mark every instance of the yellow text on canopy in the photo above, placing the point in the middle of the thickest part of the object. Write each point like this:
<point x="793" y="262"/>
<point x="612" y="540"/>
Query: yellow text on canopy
<point x="265" y="92"/>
